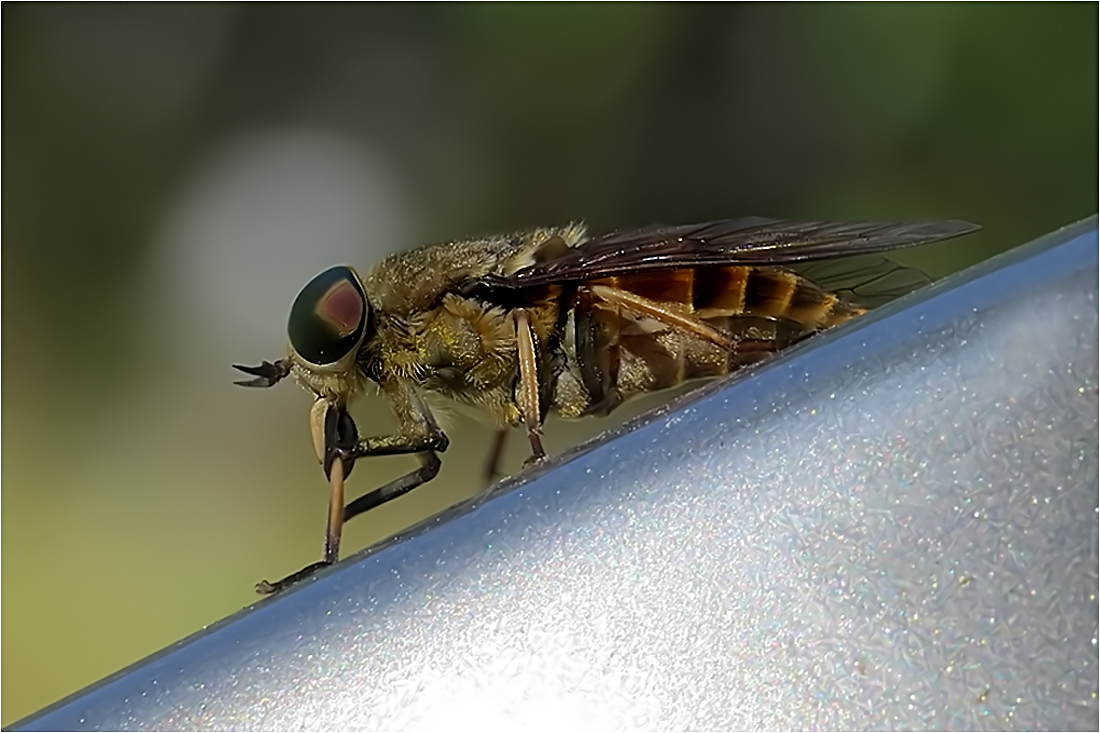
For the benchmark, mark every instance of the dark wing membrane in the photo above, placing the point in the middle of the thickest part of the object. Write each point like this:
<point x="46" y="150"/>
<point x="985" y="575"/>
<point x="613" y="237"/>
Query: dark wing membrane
<point x="748" y="241"/>
<point x="867" y="280"/>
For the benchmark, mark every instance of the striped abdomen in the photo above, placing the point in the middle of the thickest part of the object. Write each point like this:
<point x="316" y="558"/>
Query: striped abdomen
<point x="612" y="354"/>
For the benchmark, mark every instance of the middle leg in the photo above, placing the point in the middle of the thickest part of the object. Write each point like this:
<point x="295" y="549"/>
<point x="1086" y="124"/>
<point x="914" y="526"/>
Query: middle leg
<point x="529" y="383"/>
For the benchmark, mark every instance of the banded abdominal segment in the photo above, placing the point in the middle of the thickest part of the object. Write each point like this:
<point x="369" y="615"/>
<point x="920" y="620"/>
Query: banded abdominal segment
<point x="613" y="352"/>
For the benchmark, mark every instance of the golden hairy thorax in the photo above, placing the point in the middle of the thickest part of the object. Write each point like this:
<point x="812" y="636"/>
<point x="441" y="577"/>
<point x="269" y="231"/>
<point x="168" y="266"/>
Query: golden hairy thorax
<point x="460" y="347"/>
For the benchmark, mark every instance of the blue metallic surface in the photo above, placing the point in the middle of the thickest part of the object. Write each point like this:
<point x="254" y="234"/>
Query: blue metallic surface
<point x="895" y="526"/>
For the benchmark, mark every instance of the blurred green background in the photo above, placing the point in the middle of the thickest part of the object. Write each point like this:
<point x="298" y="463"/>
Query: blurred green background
<point x="172" y="175"/>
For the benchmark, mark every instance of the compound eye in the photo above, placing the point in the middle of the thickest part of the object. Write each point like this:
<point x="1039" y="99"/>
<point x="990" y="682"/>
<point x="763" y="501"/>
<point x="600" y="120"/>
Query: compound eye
<point x="328" y="317"/>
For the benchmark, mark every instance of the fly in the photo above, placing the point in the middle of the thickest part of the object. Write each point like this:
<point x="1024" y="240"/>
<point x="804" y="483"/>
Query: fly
<point x="552" y="320"/>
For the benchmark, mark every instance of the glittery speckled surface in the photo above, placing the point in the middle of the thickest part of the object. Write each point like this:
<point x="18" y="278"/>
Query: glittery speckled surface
<point x="895" y="527"/>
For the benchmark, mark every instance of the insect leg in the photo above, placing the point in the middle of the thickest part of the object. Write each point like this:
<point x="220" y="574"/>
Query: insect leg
<point x="334" y="436"/>
<point x="333" y="532"/>
<point x="529" y="381"/>
<point x="662" y="314"/>
<point x="335" y="527"/>
<point x="342" y="446"/>
<point x="337" y="517"/>
<point x="596" y="344"/>
<point x="418" y="429"/>
<point x="421" y="435"/>
<point x="492" y="463"/>
<point x="429" y="467"/>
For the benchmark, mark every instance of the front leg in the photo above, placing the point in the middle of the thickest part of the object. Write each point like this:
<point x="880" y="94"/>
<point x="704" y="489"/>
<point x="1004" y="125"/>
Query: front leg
<point x="430" y="464"/>
<point x="335" y="435"/>
<point x="423" y="436"/>
<point x="429" y="467"/>
<point x="338" y="446"/>
<point x="391" y="445"/>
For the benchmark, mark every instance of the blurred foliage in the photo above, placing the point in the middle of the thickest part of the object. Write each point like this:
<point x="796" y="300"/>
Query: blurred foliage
<point x="143" y="495"/>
